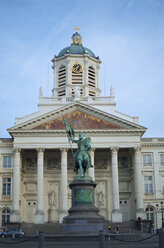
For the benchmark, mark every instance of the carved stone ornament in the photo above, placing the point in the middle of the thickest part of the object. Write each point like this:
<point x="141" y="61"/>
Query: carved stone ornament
<point x="30" y="163"/>
<point x="53" y="163"/>
<point x="101" y="163"/>
<point x="52" y="199"/>
<point x="100" y="199"/>
<point x="123" y="162"/>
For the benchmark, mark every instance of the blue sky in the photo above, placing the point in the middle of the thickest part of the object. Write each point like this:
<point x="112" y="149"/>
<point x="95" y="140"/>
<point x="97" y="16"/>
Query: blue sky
<point x="127" y="35"/>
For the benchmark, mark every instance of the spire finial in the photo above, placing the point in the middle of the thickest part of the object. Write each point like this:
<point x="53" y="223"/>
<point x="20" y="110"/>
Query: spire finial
<point x="76" y="28"/>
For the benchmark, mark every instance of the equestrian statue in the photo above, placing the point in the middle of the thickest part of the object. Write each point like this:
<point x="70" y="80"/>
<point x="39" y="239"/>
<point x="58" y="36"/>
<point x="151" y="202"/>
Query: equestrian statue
<point x="81" y="158"/>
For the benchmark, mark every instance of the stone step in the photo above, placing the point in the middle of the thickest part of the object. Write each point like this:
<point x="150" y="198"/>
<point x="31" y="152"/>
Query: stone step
<point x="47" y="228"/>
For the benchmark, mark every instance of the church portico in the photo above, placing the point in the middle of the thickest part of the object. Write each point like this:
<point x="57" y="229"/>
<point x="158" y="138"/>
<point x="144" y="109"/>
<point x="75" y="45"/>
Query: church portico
<point x="41" y="168"/>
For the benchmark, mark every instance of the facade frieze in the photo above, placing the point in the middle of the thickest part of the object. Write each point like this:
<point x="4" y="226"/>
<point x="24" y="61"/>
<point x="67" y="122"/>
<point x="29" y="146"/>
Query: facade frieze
<point x="17" y="133"/>
<point x="152" y="145"/>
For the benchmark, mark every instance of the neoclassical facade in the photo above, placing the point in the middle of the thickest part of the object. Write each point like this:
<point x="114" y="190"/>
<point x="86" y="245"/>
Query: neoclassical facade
<point x="36" y="162"/>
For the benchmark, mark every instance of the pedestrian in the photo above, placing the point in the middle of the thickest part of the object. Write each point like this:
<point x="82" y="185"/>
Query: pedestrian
<point x="109" y="227"/>
<point x="117" y="229"/>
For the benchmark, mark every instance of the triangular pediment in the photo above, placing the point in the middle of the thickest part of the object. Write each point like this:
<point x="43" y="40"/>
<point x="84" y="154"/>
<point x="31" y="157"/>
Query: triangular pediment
<point x="78" y="120"/>
<point x="79" y="117"/>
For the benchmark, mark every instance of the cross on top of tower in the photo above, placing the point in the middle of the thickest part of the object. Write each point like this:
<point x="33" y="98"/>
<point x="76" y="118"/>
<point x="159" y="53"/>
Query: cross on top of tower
<point x="76" y="28"/>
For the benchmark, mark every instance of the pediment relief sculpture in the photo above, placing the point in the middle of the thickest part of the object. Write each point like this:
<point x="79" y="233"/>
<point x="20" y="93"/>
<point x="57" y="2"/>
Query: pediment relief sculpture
<point x="78" y="120"/>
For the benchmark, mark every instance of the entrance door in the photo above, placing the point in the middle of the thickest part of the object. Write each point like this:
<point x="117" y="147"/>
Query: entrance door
<point x="124" y="208"/>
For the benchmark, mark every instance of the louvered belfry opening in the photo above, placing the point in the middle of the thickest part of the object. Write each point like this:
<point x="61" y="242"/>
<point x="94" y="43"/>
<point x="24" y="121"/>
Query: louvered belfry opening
<point x="77" y="78"/>
<point x="61" y="80"/>
<point x="91" y="81"/>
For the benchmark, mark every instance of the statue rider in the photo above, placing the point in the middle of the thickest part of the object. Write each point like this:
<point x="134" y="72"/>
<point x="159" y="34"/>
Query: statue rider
<point x="81" y="150"/>
<point x="82" y="153"/>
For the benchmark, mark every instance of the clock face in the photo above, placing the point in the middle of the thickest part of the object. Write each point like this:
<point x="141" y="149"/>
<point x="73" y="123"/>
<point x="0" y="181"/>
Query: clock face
<point x="77" y="68"/>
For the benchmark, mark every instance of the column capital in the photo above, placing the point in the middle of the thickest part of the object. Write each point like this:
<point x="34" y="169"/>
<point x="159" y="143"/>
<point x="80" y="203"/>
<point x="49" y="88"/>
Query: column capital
<point x="137" y="148"/>
<point x="114" y="149"/>
<point x="40" y="149"/>
<point x="17" y="150"/>
<point x="63" y="149"/>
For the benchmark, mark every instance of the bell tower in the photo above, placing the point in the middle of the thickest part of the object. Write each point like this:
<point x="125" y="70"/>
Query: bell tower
<point x="76" y="71"/>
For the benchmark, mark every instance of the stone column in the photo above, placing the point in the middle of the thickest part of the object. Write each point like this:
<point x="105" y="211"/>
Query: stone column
<point x="63" y="186"/>
<point x="138" y="183"/>
<point x="15" y="215"/>
<point x="116" y="214"/>
<point x="39" y="215"/>
<point x="91" y="170"/>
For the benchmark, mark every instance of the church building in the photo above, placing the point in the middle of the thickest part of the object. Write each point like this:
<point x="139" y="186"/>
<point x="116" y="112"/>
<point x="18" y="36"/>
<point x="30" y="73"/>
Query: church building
<point x="36" y="162"/>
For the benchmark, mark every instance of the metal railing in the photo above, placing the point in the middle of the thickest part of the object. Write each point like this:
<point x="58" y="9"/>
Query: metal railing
<point x="102" y="237"/>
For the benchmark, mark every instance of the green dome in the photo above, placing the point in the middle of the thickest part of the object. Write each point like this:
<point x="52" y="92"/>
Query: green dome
<point x="76" y="49"/>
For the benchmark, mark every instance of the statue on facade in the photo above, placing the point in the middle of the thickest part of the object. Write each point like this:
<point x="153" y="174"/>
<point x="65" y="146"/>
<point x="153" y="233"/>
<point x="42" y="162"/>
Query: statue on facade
<point x="52" y="198"/>
<point x="81" y="158"/>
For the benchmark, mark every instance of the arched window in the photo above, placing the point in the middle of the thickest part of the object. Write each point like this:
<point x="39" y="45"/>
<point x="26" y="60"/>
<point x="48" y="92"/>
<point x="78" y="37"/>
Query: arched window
<point x="150" y="213"/>
<point x="5" y="216"/>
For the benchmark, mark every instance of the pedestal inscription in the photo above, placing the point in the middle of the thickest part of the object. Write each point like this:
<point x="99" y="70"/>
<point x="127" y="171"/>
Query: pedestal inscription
<point x="83" y="197"/>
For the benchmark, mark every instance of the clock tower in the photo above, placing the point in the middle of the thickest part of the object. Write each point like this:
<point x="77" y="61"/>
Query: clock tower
<point x="76" y="67"/>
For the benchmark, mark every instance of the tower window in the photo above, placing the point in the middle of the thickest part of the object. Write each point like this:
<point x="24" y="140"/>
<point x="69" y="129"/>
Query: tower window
<point x="61" y="76"/>
<point x="92" y="93"/>
<point x="91" y="77"/>
<point x="61" y="93"/>
<point x="77" y="78"/>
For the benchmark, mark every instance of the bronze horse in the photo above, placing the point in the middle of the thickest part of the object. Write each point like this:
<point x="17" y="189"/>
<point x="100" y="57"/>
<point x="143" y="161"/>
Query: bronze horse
<point x="82" y="158"/>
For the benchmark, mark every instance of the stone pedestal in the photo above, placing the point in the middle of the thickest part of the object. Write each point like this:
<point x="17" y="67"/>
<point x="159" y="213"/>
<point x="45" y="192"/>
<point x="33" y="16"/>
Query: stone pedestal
<point x="83" y="217"/>
<point x="116" y="216"/>
<point x="53" y="215"/>
<point x="39" y="217"/>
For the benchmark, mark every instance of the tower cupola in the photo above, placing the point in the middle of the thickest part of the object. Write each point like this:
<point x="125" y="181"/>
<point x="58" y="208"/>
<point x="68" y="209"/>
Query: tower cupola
<point x="76" y="67"/>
